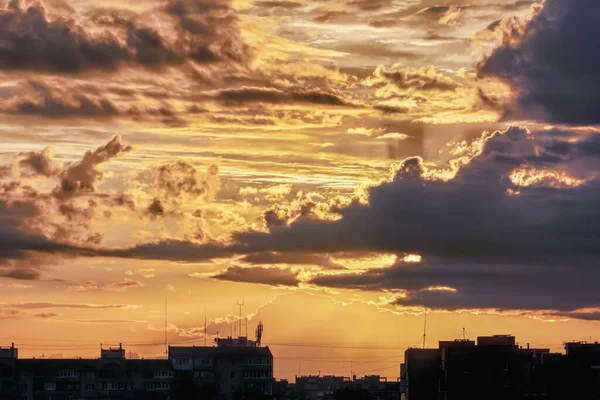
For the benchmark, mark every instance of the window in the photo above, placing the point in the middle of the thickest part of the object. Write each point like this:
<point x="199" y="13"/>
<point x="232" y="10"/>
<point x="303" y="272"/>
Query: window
<point x="182" y="361"/>
<point x="67" y="373"/>
<point x="158" y="386"/>
<point x="89" y="387"/>
<point x="114" y="386"/>
<point x="104" y="386"/>
<point x="163" y="374"/>
<point x="50" y="386"/>
<point x="203" y="374"/>
<point x="23" y="387"/>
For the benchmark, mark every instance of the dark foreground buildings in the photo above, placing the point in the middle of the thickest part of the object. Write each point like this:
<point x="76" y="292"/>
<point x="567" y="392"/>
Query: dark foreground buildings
<point x="497" y="369"/>
<point x="493" y="368"/>
<point x="235" y="369"/>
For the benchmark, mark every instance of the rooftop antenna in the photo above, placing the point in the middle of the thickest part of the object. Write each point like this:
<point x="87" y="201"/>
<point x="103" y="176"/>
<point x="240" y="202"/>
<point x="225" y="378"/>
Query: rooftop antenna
<point x="259" y="332"/>
<point x="230" y="330"/>
<point x="425" y="329"/>
<point x="166" y="343"/>
<point x="240" y="320"/>
<point x="205" y="325"/>
<point x="464" y="334"/>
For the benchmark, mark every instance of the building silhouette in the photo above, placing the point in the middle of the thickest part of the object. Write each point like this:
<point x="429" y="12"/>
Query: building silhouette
<point x="496" y="368"/>
<point x="491" y="368"/>
<point x="234" y="369"/>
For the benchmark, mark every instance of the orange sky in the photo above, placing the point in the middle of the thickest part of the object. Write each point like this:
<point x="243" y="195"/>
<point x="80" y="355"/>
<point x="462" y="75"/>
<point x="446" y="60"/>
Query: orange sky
<point x="213" y="151"/>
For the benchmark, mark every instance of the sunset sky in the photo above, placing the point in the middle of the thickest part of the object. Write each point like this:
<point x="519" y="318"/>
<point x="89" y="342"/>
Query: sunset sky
<point x="341" y="165"/>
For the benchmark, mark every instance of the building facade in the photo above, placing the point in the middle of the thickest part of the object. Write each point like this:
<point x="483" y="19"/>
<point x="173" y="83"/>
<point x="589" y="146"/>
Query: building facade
<point x="229" y="371"/>
<point x="496" y="368"/>
<point x="233" y="368"/>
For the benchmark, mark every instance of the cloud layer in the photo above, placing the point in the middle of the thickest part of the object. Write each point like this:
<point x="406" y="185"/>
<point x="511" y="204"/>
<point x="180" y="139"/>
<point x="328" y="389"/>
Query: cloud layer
<point x="553" y="64"/>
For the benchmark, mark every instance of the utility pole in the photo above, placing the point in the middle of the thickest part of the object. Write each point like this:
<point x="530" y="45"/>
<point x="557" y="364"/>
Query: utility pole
<point x="425" y="329"/>
<point x="166" y="345"/>
<point x="240" y="320"/>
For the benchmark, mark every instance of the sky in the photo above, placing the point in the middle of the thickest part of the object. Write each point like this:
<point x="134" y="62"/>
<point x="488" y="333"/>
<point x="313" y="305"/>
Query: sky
<point x="343" y="167"/>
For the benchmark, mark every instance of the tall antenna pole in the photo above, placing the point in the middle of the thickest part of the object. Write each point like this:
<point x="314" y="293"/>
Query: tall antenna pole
<point x="166" y="345"/>
<point x="425" y="329"/>
<point x="464" y="334"/>
<point x="205" y="325"/>
<point x="240" y="320"/>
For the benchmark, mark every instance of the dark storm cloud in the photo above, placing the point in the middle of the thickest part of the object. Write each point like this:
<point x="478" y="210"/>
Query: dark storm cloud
<point x="260" y="275"/>
<point x="16" y="241"/>
<point x="207" y="32"/>
<point x="210" y="29"/>
<point x="487" y="242"/>
<point x="31" y="42"/>
<point x="455" y="286"/>
<point x="555" y="66"/>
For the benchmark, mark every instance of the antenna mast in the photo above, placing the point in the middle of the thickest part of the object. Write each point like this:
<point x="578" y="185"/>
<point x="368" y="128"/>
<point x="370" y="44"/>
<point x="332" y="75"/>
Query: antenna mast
<point x="205" y="325"/>
<point x="425" y="329"/>
<point x="240" y="320"/>
<point x="166" y="345"/>
<point x="259" y="332"/>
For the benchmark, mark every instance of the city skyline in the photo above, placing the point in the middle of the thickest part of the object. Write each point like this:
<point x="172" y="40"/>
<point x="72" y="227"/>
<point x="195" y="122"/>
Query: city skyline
<point x="343" y="168"/>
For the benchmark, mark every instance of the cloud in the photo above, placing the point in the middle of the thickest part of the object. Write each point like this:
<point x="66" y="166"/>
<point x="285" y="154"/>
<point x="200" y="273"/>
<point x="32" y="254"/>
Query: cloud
<point x="210" y="30"/>
<point x="512" y="224"/>
<point x="81" y="176"/>
<point x="147" y="273"/>
<point x="293" y="259"/>
<point x="37" y="162"/>
<point x="46" y="315"/>
<point x="247" y="94"/>
<point x="32" y="42"/>
<point x="9" y="314"/>
<point x="423" y="79"/>
<point x="552" y="64"/>
<point x="207" y="32"/>
<point x="59" y="105"/>
<point x="36" y="306"/>
<point x="180" y="180"/>
<point x="267" y="276"/>
<point x="123" y="285"/>
<point x="17" y="242"/>
<point x="394" y="135"/>
<point x="169" y="288"/>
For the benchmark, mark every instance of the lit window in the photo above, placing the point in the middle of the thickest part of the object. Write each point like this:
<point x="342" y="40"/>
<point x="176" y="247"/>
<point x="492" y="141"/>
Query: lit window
<point x="50" y="386"/>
